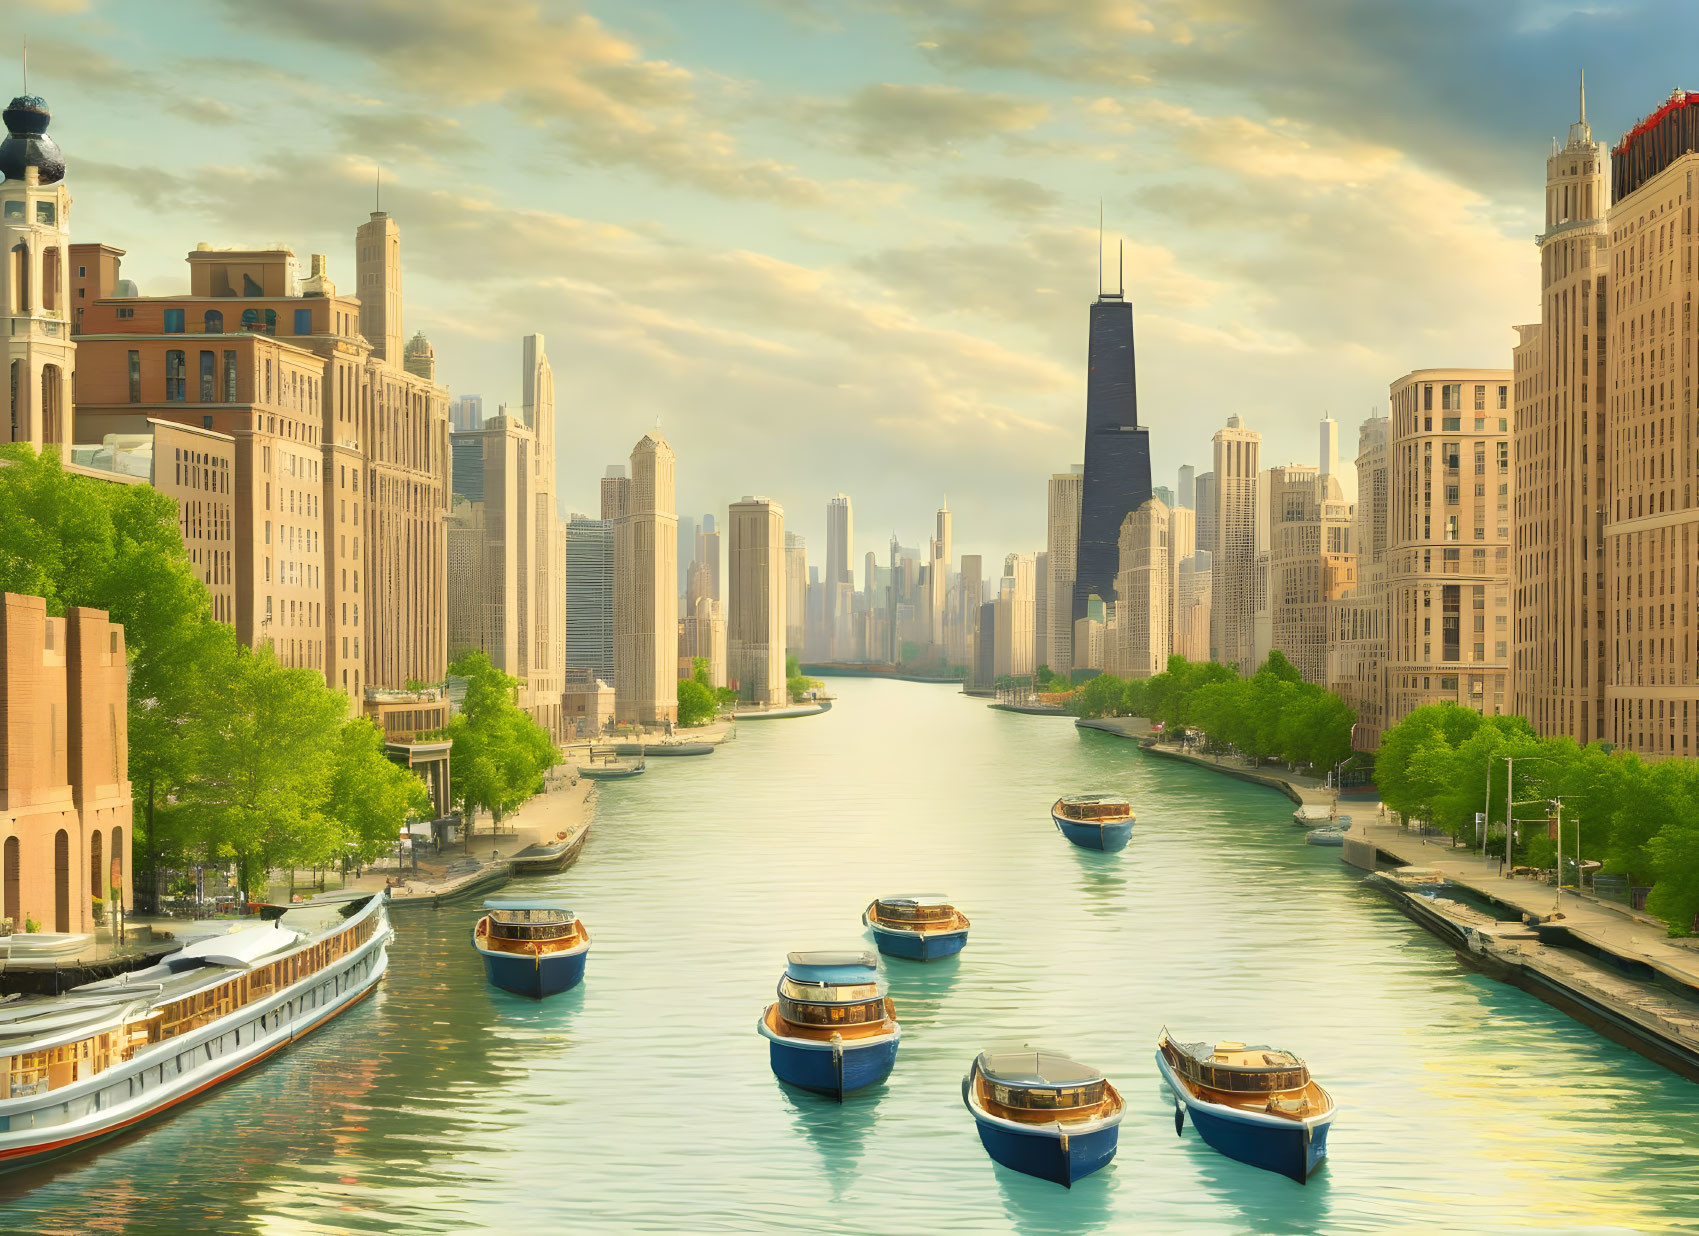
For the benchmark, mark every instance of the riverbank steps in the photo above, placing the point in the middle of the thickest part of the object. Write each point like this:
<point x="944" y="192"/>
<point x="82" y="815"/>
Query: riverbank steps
<point x="1466" y="1104"/>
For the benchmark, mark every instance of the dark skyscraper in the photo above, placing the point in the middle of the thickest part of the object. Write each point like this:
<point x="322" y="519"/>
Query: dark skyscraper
<point x="1117" y="450"/>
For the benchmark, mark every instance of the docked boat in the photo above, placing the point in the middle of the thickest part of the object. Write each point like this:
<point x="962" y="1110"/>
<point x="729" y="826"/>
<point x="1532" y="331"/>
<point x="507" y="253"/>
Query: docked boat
<point x="1042" y="1113"/>
<point x="1258" y="1105"/>
<point x="1325" y="836"/>
<point x="611" y="771"/>
<point x="554" y="854"/>
<point x="1094" y="821"/>
<point x="104" y="1056"/>
<point x="921" y="927"/>
<point x="531" y="948"/>
<point x="832" y="1029"/>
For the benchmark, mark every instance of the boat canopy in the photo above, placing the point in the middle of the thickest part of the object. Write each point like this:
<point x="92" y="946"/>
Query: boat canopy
<point x="236" y="948"/>
<point x="1085" y="799"/>
<point x="1035" y="1067"/>
<point x="840" y="968"/>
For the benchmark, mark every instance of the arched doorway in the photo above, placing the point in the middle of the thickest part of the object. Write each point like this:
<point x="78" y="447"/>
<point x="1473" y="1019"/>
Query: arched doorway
<point x="95" y="873"/>
<point x="9" y="885"/>
<point x="62" y="881"/>
<point x="116" y="871"/>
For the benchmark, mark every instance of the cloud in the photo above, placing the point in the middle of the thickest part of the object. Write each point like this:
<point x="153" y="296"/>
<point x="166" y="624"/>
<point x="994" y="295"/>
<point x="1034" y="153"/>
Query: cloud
<point x="570" y="76"/>
<point x="94" y="72"/>
<point x="1009" y="195"/>
<point x="892" y="120"/>
<point x="401" y="135"/>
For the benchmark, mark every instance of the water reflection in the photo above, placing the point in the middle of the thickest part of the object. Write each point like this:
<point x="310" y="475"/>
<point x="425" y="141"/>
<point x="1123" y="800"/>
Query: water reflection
<point x="1102" y="877"/>
<point x="1040" y="1206"/>
<point x="838" y="1131"/>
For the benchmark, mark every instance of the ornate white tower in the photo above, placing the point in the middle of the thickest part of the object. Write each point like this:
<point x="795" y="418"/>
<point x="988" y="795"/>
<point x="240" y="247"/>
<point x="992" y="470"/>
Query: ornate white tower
<point x="35" y="279"/>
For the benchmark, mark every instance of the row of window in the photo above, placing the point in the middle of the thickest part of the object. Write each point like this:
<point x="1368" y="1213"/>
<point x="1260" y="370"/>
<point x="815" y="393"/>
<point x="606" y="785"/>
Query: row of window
<point x="212" y="321"/>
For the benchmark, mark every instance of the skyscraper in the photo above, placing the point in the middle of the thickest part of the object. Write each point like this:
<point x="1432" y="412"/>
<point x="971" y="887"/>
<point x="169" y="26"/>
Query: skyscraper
<point x="1015" y="615"/>
<point x="1062" y="535"/>
<point x="1233" y="581"/>
<point x="1117" y="449"/>
<point x="687" y="550"/>
<point x="840" y="569"/>
<point x="645" y="596"/>
<point x="709" y="535"/>
<point x="1204" y="496"/>
<point x="796" y="592"/>
<point x="755" y="623"/>
<point x="616" y="492"/>
<point x="465" y="413"/>
<point x="377" y="282"/>
<point x="589" y="619"/>
<point x="1188" y="492"/>
<point x="938" y="578"/>
<point x="1143" y="636"/>
<point x="548" y="548"/>
<point x="1561" y="502"/>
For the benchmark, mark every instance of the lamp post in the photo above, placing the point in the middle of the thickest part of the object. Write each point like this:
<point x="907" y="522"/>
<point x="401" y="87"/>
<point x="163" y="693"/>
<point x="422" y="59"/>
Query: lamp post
<point x="1509" y="805"/>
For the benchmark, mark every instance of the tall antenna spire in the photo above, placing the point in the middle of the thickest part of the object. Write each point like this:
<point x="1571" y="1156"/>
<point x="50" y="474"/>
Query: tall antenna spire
<point x="1583" y="96"/>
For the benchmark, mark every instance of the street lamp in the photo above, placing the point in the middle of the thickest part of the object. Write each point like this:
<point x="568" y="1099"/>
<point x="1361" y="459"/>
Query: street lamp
<point x="1509" y="794"/>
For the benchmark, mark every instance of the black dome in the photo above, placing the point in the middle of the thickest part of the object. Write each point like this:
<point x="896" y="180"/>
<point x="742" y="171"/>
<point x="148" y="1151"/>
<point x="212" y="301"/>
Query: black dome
<point x="27" y="144"/>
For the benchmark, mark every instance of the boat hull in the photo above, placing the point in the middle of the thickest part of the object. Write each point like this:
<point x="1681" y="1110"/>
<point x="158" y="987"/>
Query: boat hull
<point x="609" y="774"/>
<point x="1291" y="1148"/>
<point x="537" y="976"/>
<point x="161" y="1077"/>
<point x="812" y="1064"/>
<point x="918" y="945"/>
<point x="1105" y="837"/>
<point x="1048" y="1153"/>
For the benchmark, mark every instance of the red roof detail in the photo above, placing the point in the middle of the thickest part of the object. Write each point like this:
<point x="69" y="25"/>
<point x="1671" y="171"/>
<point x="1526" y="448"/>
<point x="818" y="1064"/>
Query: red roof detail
<point x="1680" y="99"/>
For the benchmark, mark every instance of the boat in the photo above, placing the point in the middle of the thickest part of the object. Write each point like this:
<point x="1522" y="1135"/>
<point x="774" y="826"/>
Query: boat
<point x="1325" y="836"/>
<point x="646" y="749"/>
<point x="1043" y="1113"/>
<point x="1308" y="815"/>
<point x="832" y="1029"/>
<point x="920" y="927"/>
<point x="531" y="948"/>
<point x="611" y="771"/>
<point x="1094" y="821"/>
<point x="542" y="857"/>
<point x="1258" y="1105"/>
<point x="105" y="1056"/>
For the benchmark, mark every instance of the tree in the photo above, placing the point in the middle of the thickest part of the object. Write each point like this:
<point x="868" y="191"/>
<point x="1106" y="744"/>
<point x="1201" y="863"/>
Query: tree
<point x="1281" y="668"/>
<point x="371" y="797"/>
<point x="500" y="754"/>
<point x="793" y="667"/>
<point x="264" y="748"/>
<point x="699" y="672"/>
<point x="695" y="703"/>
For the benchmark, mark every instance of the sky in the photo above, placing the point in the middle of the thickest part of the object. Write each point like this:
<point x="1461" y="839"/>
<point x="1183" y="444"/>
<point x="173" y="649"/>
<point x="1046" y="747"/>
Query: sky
<point x="850" y="246"/>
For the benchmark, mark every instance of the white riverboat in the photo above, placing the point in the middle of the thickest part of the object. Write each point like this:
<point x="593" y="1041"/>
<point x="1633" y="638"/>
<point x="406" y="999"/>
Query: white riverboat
<point x="105" y="1056"/>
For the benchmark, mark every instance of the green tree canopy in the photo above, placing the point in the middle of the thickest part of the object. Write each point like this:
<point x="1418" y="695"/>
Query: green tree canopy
<point x="500" y="754"/>
<point x="696" y="702"/>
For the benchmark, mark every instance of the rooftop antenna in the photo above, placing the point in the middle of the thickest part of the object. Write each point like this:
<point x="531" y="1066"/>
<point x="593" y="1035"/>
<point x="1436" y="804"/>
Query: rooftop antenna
<point x="1100" y="246"/>
<point x="1583" y="89"/>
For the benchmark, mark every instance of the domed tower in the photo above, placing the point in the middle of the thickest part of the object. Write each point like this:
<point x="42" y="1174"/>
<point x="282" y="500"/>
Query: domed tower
<point x="35" y="282"/>
<point x="420" y="358"/>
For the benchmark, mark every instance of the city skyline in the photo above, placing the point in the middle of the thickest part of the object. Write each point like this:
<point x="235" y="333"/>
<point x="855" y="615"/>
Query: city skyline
<point x="911" y="257"/>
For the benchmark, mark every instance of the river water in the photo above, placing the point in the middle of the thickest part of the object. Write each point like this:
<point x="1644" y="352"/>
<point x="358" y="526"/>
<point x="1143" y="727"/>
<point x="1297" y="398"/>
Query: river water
<point x="643" y="1100"/>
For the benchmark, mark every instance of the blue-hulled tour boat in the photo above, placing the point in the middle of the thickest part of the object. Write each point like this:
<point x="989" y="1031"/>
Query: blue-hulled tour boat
<point x="1041" y="1113"/>
<point x="832" y="1029"/>
<point x="1094" y="821"/>
<point x="920" y="927"/>
<point x="1258" y="1105"/>
<point x="532" y="948"/>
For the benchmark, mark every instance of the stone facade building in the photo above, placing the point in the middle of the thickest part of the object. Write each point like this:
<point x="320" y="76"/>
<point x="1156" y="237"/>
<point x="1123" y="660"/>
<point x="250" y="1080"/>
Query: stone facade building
<point x="1448" y="559"/>
<point x="1233" y="581"/>
<point x="64" y="765"/>
<point x="1062" y="537"/>
<point x="755" y="621"/>
<point x="646" y="590"/>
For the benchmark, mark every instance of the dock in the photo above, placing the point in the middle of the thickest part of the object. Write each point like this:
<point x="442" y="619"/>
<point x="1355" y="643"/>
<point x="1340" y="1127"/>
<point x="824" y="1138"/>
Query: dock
<point x="1605" y="964"/>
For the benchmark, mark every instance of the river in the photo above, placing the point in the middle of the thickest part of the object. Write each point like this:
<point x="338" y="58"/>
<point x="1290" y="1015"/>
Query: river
<point x="643" y="1100"/>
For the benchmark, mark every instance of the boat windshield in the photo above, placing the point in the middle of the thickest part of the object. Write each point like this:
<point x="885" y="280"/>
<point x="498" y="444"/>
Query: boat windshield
<point x="831" y="1014"/>
<point x="823" y="993"/>
<point x="1042" y="1099"/>
<point x="1091" y="808"/>
<point x="909" y="911"/>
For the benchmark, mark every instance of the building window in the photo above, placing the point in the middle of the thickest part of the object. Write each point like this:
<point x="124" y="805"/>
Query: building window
<point x="1504" y="393"/>
<point x="303" y="321"/>
<point x="213" y="322"/>
<point x="206" y="422"/>
<point x="271" y="321"/>
<point x="250" y="319"/>
<point x="135" y="377"/>
<point x="229" y="375"/>
<point x="1427" y="397"/>
<point x="174" y="321"/>
<point x="209" y="377"/>
<point x="45" y="212"/>
<point x="1481" y="397"/>
<point x="174" y="377"/>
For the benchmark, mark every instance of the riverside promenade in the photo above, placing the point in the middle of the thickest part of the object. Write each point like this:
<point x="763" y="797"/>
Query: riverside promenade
<point x="1305" y="791"/>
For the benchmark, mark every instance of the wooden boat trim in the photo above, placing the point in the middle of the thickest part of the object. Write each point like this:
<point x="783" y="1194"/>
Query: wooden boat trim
<point x="784" y="1028"/>
<point x="956" y="922"/>
<point x="576" y="941"/>
<point x="1058" y="811"/>
<point x="1311" y="1103"/>
<point x="1101" y="1115"/>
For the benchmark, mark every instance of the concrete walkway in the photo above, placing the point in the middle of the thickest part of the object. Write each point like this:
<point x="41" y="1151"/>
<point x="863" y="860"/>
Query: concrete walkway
<point x="1607" y="925"/>
<point x="1304" y="790"/>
